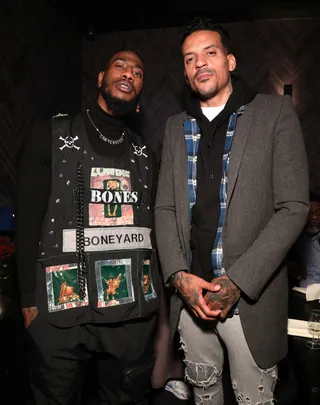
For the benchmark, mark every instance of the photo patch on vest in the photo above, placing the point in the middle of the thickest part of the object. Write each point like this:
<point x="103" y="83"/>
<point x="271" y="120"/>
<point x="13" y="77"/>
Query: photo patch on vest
<point x="62" y="288"/>
<point x="114" y="186"/>
<point x="147" y="284"/>
<point x="114" y="282"/>
<point x="113" y="238"/>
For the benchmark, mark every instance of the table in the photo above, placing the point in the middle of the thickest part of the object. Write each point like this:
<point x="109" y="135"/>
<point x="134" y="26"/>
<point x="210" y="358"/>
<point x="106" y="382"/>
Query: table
<point x="306" y="362"/>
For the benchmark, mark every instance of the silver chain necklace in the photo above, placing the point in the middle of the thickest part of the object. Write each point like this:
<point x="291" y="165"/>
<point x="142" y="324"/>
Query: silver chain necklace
<point x="103" y="137"/>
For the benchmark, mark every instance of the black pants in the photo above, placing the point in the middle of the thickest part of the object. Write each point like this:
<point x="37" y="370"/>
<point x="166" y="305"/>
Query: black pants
<point x="118" y="357"/>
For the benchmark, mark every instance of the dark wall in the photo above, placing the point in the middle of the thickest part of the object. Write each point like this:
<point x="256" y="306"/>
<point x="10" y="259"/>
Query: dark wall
<point x="269" y="54"/>
<point x="40" y="75"/>
<point x="46" y="69"/>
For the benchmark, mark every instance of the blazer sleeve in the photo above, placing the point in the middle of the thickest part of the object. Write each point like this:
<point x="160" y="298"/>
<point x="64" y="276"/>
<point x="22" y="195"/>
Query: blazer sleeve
<point x="252" y="271"/>
<point x="170" y="251"/>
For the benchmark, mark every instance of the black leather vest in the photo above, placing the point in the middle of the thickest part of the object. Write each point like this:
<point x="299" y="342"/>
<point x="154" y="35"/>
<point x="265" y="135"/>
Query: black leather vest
<point x="99" y="221"/>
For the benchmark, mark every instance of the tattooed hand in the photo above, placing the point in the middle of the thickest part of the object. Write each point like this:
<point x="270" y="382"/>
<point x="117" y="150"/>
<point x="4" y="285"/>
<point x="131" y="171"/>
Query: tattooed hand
<point x="225" y="299"/>
<point x="28" y="315"/>
<point x="190" y="288"/>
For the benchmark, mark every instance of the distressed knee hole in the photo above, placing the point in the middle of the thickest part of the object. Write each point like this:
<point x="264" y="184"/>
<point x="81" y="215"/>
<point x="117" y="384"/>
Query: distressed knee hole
<point x="182" y="345"/>
<point x="240" y="397"/>
<point x="234" y="385"/>
<point x="243" y="400"/>
<point x="275" y="378"/>
<point x="246" y="400"/>
<point x="201" y="375"/>
<point x="204" y="399"/>
<point x="269" y="376"/>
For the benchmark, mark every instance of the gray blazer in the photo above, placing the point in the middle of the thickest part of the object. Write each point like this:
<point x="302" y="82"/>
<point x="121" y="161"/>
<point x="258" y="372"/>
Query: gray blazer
<point x="267" y="207"/>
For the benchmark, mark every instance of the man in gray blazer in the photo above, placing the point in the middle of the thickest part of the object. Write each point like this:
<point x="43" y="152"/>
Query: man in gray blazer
<point x="232" y="199"/>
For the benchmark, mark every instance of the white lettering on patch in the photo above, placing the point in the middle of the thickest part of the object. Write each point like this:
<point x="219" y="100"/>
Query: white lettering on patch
<point x="113" y="238"/>
<point x="113" y="197"/>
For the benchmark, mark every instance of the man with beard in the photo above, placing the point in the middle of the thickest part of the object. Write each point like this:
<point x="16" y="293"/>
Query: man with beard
<point x="86" y="259"/>
<point x="232" y="199"/>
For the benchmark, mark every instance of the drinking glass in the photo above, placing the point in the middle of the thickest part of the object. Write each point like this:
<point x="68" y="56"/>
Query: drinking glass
<point x="314" y="329"/>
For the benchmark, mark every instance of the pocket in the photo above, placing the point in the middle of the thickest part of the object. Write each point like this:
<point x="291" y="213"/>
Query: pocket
<point x="136" y="380"/>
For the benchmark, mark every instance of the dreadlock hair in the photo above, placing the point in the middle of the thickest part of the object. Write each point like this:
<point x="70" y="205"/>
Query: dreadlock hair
<point x="206" y="24"/>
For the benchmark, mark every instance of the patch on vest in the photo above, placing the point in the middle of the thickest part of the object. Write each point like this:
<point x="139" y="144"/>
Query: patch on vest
<point x="97" y="196"/>
<point x="69" y="142"/>
<point x="113" y="238"/>
<point x="62" y="288"/>
<point x="114" y="282"/>
<point x="114" y="186"/>
<point x="147" y="284"/>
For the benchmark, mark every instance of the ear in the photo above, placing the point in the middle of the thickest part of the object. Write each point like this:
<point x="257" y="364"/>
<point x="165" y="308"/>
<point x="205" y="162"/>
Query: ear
<point x="232" y="62"/>
<point x="100" y="78"/>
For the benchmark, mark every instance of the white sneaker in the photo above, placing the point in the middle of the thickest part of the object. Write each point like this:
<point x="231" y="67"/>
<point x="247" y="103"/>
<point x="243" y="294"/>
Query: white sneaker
<point x="178" y="388"/>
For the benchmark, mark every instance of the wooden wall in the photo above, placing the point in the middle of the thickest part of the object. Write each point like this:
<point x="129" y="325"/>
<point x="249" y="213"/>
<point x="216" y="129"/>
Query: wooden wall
<point x="269" y="55"/>
<point x="40" y="75"/>
<point x="47" y="67"/>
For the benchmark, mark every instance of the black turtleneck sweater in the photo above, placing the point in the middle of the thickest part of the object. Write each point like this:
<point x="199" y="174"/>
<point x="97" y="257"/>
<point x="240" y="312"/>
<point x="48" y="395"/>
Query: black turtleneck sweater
<point x="34" y="185"/>
<point x="206" y="211"/>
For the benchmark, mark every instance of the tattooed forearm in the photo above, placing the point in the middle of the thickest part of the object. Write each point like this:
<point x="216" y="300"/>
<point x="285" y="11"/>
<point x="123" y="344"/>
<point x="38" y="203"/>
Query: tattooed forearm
<point x="226" y="297"/>
<point x="173" y="277"/>
<point x="181" y="281"/>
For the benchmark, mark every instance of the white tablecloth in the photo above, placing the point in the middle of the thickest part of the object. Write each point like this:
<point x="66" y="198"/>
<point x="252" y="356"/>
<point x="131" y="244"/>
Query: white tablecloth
<point x="296" y="327"/>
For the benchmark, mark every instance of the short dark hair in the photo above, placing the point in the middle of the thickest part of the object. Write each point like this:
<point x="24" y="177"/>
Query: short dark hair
<point x="106" y="62"/>
<point x="206" y="24"/>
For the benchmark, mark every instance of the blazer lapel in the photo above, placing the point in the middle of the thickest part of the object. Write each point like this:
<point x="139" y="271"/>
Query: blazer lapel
<point x="238" y="145"/>
<point x="183" y="193"/>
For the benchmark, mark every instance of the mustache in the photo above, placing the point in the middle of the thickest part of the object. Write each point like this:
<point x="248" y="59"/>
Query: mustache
<point x="205" y="70"/>
<point x="125" y="83"/>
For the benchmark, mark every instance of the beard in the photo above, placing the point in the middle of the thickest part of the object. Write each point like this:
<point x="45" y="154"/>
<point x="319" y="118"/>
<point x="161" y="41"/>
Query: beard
<point x="204" y="94"/>
<point x="117" y="105"/>
<point x="207" y="95"/>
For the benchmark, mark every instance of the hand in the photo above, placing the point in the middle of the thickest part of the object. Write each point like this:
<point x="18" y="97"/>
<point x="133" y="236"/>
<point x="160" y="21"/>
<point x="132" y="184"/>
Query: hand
<point x="226" y="297"/>
<point x="28" y="315"/>
<point x="190" y="288"/>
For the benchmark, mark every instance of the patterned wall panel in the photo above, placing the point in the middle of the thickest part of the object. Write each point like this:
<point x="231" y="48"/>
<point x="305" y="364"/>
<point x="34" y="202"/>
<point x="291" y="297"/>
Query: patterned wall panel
<point x="40" y="75"/>
<point x="7" y="140"/>
<point x="269" y="55"/>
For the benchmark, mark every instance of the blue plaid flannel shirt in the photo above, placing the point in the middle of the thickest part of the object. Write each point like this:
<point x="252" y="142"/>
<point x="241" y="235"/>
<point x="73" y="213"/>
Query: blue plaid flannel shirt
<point x="192" y="138"/>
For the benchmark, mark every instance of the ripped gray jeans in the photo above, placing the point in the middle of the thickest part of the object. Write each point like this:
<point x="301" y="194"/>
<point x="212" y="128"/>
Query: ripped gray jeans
<point x="204" y="357"/>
